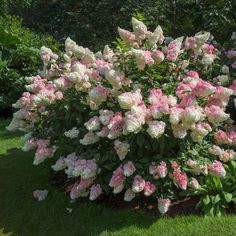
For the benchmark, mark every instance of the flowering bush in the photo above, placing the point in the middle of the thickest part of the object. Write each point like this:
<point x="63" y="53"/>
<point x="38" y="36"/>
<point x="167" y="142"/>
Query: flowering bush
<point x="147" y="118"/>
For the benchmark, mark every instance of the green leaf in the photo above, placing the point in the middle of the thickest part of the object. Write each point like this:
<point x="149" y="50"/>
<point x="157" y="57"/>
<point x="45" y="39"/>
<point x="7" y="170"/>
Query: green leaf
<point x="144" y="161"/>
<point x="206" y="200"/>
<point x="209" y="210"/>
<point x="188" y="192"/>
<point x="162" y="144"/>
<point x="218" y="183"/>
<point x="139" y="166"/>
<point x="109" y="167"/>
<point x="234" y="200"/>
<point x="7" y="38"/>
<point x="139" y="16"/>
<point x="218" y="212"/>
<point x="233" y="163"/>
<point x="215" y="199"/>
<point x="199" y="204"/>
<point x="228" y="196"/>
<point x="193" y="152"/>
<point x="140" y="140"/>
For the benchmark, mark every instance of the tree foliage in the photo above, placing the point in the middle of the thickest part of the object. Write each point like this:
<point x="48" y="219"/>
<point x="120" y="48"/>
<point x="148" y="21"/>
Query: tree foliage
<point x="93" y="23"/>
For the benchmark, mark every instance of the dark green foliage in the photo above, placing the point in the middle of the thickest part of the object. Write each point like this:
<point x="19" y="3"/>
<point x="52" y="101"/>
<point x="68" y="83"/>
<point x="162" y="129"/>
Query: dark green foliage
<point x="13" y="6"/>
<point x="93" y="23"/>
<point x="19" y="57"/>
<point x="90" y="23"/>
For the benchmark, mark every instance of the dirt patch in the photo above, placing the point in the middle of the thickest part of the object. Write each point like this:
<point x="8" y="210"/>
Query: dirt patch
<point x="150" y="205"/>
<point x="185" y="206"/>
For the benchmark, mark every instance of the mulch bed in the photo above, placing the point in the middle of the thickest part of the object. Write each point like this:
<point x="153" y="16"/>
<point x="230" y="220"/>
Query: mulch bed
<point x="147" y="204"/>
<point x="184" y="206"/>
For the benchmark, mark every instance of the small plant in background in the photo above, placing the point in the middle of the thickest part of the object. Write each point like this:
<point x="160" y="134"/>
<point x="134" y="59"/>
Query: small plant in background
<point x="146" y="118"/>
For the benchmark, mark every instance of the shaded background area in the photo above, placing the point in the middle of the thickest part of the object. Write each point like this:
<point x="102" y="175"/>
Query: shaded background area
<point x="94" y="23"/>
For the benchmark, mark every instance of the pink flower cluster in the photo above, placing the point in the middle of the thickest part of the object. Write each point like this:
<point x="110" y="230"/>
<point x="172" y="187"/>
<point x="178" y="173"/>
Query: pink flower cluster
<point x="231" y="54"/>
<point x="217" y="169"/>
<point x="158" y="171"/>
<point x="43" y="151"/>
<point x="180" y="178"/>
<point x="197" y="167"/>
<point x="173" y="49"/>
<point x="119" y="176"/>
<point x="163" y="205"/>
<point x="224" y="155"/>
<point x="40" y="194"/>
<point x="222" y="137"/>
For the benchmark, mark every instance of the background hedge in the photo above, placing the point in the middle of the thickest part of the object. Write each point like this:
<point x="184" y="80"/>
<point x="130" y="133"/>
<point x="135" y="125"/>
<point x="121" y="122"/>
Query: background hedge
<point x="92" y="24"/>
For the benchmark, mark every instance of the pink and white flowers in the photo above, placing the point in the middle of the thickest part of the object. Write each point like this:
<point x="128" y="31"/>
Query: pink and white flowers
<point x="138" y="184"/>
<point x="95" y="192"/>
<point x="129" y="195"/>
<point x="40" y="194"/>
<point x="73" y="133"/>
<point x="129" y="169"/>
<point x="163" y="205"/>
<point x="149" y="189"/>
<point x="156" y="128"/>
<point x="121" y="148"/>
<point x="180" y="178"/>
<point x="217" y="169"/>
<point x="129" y="99"/>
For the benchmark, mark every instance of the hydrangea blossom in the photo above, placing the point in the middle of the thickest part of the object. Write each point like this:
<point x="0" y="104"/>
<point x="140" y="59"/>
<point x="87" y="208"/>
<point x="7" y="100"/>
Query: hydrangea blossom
<point x="121" y="149"/>
<point x="73" y="133"/>
<point x="40" y="194"/>
<point x="217" y="169"/>
<point x="138" y="184"/>
<point x="163" y="205"/>
<point x="95" y="191"/>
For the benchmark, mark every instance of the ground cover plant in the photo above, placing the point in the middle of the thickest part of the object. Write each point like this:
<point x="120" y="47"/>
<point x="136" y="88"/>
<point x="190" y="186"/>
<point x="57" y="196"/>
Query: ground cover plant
<point x="145" y="118"/>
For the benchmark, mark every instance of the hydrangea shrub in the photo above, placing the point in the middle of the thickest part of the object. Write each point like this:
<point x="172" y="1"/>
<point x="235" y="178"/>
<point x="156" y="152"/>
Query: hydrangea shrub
<point x="145" y="118"/>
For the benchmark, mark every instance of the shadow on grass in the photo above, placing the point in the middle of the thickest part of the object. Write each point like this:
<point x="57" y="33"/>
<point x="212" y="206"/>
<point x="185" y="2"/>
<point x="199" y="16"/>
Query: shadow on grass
<point x="21" y="214"/>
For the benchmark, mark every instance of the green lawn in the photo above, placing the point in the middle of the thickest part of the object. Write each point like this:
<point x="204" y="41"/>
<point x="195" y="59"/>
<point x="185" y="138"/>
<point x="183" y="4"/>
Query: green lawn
<point x="21" y="214"/>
